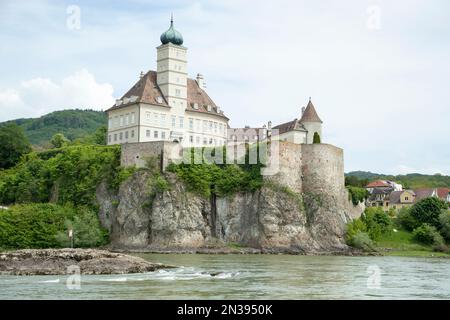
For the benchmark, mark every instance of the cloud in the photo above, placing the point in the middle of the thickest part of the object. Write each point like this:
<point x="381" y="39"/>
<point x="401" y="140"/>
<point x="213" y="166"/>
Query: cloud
<point x="38" y="96"/>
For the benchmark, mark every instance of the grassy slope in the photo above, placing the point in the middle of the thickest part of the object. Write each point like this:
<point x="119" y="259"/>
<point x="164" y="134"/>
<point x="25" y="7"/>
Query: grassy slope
<point x="401" y="243"/>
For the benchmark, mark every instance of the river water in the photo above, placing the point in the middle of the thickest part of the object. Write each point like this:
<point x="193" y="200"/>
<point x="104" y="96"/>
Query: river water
<point x="204" y="276"/>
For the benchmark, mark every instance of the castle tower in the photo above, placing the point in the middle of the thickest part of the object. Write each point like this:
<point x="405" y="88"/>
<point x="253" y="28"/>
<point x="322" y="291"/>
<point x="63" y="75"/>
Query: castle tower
<point x="312" y="123"/>
<point x="172" y="70"/>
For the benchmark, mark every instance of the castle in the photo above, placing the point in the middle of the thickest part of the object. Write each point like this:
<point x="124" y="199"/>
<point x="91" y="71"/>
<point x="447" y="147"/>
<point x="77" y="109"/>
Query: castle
<point x="303" y="207"/>
<point x="167" y="106"/>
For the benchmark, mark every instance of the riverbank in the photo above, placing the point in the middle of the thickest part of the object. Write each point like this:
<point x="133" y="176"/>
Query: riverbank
<point x="401" y="243"/>
<point x="59" y="261"/>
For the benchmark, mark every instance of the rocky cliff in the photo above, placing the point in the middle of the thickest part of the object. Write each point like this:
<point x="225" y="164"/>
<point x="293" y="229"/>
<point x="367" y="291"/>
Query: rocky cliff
<point x="272" y="219"/>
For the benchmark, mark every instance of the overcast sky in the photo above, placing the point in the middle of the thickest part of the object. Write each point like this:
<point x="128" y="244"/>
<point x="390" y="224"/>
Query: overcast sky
<point x="377" y="71"/>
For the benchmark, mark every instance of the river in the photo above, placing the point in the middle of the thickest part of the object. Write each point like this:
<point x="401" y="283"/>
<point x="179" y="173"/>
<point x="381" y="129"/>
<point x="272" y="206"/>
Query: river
<point x="204" y="276"/>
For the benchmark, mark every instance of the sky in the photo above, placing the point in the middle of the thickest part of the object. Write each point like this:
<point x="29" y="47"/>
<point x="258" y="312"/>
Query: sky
<point x="377" y="71"/>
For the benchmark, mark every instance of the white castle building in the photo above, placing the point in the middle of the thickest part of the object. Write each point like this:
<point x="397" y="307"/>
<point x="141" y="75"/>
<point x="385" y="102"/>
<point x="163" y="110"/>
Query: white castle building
<point x="165" y="105"/>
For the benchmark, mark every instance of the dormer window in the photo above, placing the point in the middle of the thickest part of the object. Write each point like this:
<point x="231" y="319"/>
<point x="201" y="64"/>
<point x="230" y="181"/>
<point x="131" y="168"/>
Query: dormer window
<point x="208" y="107"/>
<point x="196" y="106"/>
<point x="159" y="99"/>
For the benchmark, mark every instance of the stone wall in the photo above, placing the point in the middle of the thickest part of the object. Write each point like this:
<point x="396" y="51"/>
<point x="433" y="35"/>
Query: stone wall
<point x="323" y="169"/>
<point x="138" y="153"/>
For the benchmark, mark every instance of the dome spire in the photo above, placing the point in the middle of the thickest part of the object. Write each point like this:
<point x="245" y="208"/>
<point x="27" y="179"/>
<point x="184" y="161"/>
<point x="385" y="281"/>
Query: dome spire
<point x="172" y="35"/>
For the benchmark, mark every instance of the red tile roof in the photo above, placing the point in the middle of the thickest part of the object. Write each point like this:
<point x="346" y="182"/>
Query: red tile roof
<point x="443" y="193"/>
<point x="378" y="184"/>
<point x="147" y="91"/>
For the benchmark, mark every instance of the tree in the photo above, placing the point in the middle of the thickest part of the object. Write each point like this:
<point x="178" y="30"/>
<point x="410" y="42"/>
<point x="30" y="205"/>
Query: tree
<point x="428" y="210"/>
<point x="316" y="138"/>
<point x="13" y="144"/>
<point x="59" y="140"/>
<point x="100" y="135"/>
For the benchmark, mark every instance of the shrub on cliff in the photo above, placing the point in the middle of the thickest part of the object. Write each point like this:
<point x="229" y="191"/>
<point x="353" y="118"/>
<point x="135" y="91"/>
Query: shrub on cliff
<point x="377" y="222"/>
<point x="41" y="225"/>
<point x="357" y="195"/>
<point x="221" y="179"/>
<point x="68" y="175"/>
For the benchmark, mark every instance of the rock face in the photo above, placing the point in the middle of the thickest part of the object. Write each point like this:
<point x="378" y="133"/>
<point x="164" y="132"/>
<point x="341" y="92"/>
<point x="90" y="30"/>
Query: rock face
<point x="57" y="262"/>
<point x="272" y="219"/>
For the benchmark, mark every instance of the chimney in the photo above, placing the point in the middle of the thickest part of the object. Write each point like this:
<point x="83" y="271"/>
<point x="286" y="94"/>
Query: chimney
<point x="201" y="81"/>
<point x="141" y="75"/>
<point x="303" y="110"/>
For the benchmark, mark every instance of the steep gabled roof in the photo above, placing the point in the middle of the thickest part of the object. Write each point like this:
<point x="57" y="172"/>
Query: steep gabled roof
<point x="146" y="90"/>
<point x="310" y="114"/>
<point x="288" y="126"/>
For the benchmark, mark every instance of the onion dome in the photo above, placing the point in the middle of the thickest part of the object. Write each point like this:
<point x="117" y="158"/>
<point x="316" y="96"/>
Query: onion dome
<point x="172" y="35"/>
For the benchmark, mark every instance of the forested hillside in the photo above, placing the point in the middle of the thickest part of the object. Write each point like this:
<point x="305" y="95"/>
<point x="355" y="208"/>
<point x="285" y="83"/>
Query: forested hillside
<point x="72" y="124"/>
<point x="411" y="181"/>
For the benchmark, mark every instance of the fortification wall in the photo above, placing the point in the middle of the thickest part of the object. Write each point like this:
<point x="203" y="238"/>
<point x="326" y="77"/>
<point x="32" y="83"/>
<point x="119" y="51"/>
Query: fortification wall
<point x="138" y="153"/>
<point x="289" y="166"/>
<point x="323" y="169"/>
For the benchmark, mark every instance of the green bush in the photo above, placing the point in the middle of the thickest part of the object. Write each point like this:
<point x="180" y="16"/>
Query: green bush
<point x="444" y="225"/>
<point x="87" y="231"/>
<point x="41" y="225"/>
<point x="69" y="175"/>
<point x="220" y="179"/>
<point x="357" y="195"/>
<point x="406" y="220"/>
<point x="362" y="240"/>
<point x="428" y="234"/>
<point x="354" y="227"/>
<point x="428" y="210"/>
<point x="377" y="221"/>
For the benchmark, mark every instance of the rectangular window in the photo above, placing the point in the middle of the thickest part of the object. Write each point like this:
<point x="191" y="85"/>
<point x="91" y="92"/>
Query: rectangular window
<point x="132" y="133"/>
<point x="220" y="128"/>
<point x="121" y="136"/>
<point x="205" y="125"/>
<point x="177" y="92"/>
<point x="197" y="140"/>
<point x="191" y="124"/>
<point x="110" y="122"/>
<point x="210" y="141"/>
<point x="115" y="136"/>
<point x="210" y="126"/>
<point x="163" y="135"/>
<point x="205" y="141"/>
<point x="147" y="133"/>
<point x="126" y="134"/>
<point x="116" y="121"/>
<point x="109" y="138"/>
<point x="121" y="121"/>
<point x="197" y="124"/>
<point x="155" y="118"/>
<point x="155" y="134"/>
<point x="147" y="115"/>
<point x="191" y="139"/>
<point x="126" y="119"/>
<point x="163" y="120"/>
<point x="215" y="127"/>
<point x="174" y="119"/>
<point x="181" y="122"/>
<point x="132" y="118"/>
